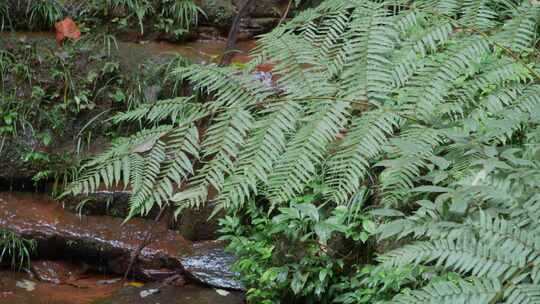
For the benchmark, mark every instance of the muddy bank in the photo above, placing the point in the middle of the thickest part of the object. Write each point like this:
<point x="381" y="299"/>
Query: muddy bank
<point x="53" y="119"/>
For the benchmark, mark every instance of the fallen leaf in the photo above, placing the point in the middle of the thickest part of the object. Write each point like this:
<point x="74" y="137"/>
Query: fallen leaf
<point x="66" y="28"/>
<point x="135" y="284"/>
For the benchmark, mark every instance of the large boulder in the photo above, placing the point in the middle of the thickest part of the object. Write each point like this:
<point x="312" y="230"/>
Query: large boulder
<point x="109" y="244"/>
<point x="100" y="239"/>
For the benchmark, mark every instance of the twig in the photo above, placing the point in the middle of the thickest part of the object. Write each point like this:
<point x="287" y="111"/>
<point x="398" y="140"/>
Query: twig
<point x="284" y="16"/>
<point x="147" y="240"/>
<point x="231" y="39"/>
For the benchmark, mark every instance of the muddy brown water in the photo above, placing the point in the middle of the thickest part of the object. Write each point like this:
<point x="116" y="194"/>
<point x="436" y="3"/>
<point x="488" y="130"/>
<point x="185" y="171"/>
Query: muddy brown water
<point x="196" y="51"/>
<point x="46" y="293"/>
<point x="91" y="290"/>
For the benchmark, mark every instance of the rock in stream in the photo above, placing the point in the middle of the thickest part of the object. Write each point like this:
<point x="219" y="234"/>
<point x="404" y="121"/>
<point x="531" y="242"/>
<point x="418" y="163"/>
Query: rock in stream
<point x="97" y="238"/>
<point x="209" y="264"/>
<point x="105" y="241"/>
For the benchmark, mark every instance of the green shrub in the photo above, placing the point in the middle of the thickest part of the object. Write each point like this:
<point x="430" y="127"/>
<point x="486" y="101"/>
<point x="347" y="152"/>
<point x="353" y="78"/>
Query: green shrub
<point x="298" y="252"/>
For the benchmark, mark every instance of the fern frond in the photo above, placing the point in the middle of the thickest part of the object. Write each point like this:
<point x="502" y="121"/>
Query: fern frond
<point x="362" y="145"/>
<point x="477" y="291"/>
<point x="306" y="150"/>
<point x="465" y="256"/>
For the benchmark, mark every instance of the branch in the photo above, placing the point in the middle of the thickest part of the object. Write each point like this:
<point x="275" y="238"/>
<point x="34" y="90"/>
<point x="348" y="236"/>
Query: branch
<point x="228" y="53"/>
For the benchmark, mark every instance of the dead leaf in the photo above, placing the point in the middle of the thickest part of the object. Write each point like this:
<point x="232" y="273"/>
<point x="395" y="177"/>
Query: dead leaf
<point x="67" y="28"/>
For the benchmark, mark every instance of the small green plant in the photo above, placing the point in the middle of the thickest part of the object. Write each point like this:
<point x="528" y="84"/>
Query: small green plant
<point x="16" y="249"/>
<point x="4" y="16"/>
<point x="299" y="252"/>
<point x="177" y="16"/>
<point x="43" y="13"/>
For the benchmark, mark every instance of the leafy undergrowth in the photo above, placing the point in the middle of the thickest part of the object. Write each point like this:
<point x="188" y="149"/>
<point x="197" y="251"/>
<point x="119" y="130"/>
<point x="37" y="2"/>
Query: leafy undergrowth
<point x="55" y="100"/>
<point x="173" y="17"/>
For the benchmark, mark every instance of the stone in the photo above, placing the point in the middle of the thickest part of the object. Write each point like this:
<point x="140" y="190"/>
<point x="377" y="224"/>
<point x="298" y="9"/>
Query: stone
<point x="27" y="285"/>
<point x="148" y="292"/>
<point x="195" y="224"/>
<point x="264" y="8"/>
<point x="57" y="272"/>
<point x="210" y="264"/>
<point x="222" y="292"/>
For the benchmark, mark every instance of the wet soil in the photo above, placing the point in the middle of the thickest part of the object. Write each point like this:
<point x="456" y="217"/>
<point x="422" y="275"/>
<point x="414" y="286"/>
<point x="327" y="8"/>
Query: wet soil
<point x="89" y="290"/>
<point x="92" y="290"/>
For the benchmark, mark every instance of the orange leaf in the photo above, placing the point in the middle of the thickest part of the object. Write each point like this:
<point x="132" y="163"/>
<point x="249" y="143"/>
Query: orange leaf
<point x="67" y="29"/>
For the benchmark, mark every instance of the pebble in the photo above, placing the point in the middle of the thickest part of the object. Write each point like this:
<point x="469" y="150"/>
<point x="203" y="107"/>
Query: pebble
<point x="222" y="292"/>
<point x="26" y="284"/>
<point x="148" y="292"/>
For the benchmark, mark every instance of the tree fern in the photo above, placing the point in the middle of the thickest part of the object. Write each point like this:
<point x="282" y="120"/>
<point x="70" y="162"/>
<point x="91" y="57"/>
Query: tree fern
<point x="432" y="103"/>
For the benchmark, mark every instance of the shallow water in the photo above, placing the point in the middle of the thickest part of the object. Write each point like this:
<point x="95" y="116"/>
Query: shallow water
<point x="91" y="290"/>
<point x="46" y="293"/>
<point x="197" y="51"/>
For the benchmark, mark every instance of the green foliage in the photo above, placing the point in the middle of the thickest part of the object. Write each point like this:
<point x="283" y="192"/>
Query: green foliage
<point x="432" y="105"/>
<point x="4" y="15"/>
<point x="178" y="16"/>
<point x="16" y="249"/>
<point x="297" y="252"/>
<point x="170" y="16"/>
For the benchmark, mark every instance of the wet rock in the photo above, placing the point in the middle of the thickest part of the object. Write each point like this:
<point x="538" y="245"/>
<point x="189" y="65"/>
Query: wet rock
<point x="264" y="8"/>
<point x="12" y="152"/>
<point x="209" y="264"/>
<point x="192" y="224"/>
<point x="160" y="274"/>
<point x="26" y="285"/>
<point x="222" y="292"/>
<point x="177" y="280"/>
<point x="249" y="28"/>
<point x="102" y="202"/>
<point x="188" y="294"/>
<point x="98" y="238"/>
<point x="57" y="272"/>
